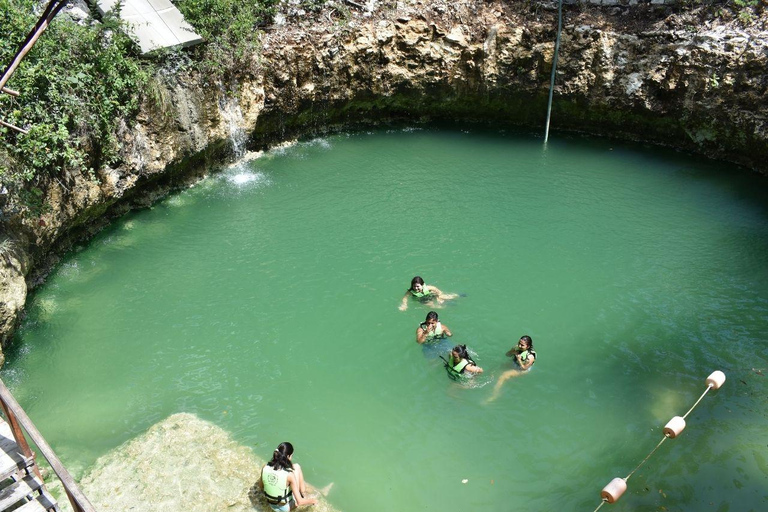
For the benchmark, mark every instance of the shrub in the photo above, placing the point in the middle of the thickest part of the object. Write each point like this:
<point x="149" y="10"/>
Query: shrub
<point x="75" y="83"/>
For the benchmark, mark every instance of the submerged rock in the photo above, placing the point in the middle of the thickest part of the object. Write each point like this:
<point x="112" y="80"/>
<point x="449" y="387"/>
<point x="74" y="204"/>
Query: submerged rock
<point x="180" y="464"/>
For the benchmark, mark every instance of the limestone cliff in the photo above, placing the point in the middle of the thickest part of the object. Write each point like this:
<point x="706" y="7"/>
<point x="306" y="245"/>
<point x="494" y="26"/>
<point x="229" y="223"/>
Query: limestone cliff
<point x="640" y="72"/>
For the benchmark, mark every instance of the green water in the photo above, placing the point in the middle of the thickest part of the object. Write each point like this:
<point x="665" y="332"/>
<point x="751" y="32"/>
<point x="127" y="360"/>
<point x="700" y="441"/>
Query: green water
<point x="265" y="299"/>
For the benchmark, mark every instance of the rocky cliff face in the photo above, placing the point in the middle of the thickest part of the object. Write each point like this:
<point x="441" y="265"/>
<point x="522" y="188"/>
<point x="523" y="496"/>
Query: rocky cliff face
<point x="633" y="72"/>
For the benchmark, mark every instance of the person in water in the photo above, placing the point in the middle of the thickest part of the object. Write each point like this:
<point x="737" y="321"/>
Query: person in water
<point x="460" y="364"/>
<point x="283" y="482"/>
<point x="424" y="293"/>
<point x="524" y="356"/>
<point x="431" y="329"/>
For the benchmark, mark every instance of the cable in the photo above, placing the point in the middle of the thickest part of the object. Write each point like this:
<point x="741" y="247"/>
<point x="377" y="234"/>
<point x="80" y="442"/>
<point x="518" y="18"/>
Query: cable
<point x="554" y="67"/>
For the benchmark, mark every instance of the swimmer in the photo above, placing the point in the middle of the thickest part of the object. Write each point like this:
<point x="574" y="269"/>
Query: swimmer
<point x="524" y="356"/>
<point x="460" y="364"/>
<point x="425" y="293"/>
<point x="283" y="482"/>
<point x="431" y="329"/>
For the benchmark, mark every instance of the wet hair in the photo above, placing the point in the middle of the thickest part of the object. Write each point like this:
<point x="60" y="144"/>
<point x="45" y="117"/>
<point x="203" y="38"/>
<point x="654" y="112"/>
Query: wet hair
<point x="463" y="354"/>
<point x="430" y="316"/>
<point x="280" y="456"/>
<point x="416" y="280"/>
<point x="528" y="340"/>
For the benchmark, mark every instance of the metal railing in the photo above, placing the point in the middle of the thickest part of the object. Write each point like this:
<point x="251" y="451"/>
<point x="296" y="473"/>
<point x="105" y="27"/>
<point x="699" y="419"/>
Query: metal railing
<point x="18" y="419"/>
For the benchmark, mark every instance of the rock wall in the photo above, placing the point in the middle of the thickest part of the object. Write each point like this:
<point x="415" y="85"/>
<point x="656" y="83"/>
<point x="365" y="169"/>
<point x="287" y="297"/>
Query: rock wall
<point x="687" y="80"/>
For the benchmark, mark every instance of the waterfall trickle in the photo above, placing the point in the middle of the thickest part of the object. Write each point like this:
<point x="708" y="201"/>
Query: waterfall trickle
<point x="233" y="116"/>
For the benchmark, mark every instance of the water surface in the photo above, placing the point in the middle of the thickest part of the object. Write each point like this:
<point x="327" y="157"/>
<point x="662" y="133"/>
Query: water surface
<point x="265" y="298"/>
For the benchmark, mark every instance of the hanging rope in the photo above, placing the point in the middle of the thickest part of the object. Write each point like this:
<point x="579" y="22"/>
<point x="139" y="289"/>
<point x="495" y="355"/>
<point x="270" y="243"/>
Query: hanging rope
<point x="554" y="67"/>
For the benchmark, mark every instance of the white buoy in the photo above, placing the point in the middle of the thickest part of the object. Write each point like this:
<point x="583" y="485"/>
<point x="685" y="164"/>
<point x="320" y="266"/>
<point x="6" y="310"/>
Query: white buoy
<point x="716" y="379"/>
<point x="613" y="491"/>
<point x="673" y="428"/>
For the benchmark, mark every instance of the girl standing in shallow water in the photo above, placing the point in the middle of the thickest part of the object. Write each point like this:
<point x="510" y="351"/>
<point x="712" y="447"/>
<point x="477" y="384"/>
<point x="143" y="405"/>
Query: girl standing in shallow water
<point x="425" y="293"/>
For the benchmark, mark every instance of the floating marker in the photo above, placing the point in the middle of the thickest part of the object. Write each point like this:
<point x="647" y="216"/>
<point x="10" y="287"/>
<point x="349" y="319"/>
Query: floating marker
<point x="673" y="428"/>
<point x="616" y="487"/>
<point x="716" y="379"/>
<point x="613" y="491"/>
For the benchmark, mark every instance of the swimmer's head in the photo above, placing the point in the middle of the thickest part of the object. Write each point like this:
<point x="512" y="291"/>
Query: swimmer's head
<point x="460" y="352"/>
<point x="417" y="281"/>
<point x="431" y="318"/>
<point x="525" y="343"/>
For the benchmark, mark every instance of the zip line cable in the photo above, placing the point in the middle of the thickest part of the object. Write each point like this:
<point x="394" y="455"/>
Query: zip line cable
<point x="554" y="67"/>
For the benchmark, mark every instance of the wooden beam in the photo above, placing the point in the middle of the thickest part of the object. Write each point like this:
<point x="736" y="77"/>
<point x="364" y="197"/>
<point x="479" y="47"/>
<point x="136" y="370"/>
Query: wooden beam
<point x="18" y="435"/>
<point x="53" y="8"/>
<point x="10" y="91"/>
<point x="79" y="502"/>
<point x="13" y="126"/>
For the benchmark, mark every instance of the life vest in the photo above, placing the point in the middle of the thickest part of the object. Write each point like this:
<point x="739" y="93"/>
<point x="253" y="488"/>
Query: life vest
<point x="455" y="371"/>
<point x="525" y="354"/>
<point x="276" y="487"/>
<point x="437" y="333"/>
<point x="423" y="293"/>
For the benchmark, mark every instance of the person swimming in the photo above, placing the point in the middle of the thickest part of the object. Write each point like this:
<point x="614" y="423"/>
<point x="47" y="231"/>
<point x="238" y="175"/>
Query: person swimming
<point x="524" y="355"/>
<point x="425" y="293"/>
<point x="431" y="329"/>
<point x="460" y="364"/>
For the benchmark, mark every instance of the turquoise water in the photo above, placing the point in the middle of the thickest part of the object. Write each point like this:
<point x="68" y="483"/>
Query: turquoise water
<point x="265" y="299"/>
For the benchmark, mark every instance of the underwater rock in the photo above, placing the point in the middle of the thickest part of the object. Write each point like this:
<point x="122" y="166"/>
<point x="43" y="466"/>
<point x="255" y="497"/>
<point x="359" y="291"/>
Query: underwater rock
<point x="180" y="464"/>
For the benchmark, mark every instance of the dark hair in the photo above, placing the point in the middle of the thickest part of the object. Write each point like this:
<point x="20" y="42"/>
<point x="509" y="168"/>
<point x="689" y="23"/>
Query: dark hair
<point x="430" y="316"/>
<point x="527" y="339"/>
<point x="463" y="354"/>
<point x="280" y="456"/>
<point x="416" y="280"/>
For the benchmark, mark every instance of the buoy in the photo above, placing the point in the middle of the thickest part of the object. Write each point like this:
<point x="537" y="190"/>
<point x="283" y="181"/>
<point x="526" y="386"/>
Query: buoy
<point x="673" y="428"/>
<point x="613" y="491"/>
<point x="716" y="379"/>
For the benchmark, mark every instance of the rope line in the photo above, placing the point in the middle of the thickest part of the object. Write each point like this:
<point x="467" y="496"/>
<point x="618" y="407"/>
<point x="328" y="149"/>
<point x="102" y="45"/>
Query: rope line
<point x="713" y="381"/>
<point x="645" y="459"/>
<point x="697" y="401"/>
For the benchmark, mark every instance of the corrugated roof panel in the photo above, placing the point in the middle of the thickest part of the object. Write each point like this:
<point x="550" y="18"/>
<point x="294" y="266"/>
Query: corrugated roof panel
<point x="154" y="23"/>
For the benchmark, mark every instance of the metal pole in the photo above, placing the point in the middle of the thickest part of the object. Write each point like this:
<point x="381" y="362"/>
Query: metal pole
<point x="554" y="67"/>
<point x="53" y="8"/>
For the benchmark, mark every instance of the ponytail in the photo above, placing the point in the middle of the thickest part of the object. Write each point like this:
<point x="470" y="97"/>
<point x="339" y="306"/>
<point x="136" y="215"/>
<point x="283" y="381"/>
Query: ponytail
<point x="280" y="456"/>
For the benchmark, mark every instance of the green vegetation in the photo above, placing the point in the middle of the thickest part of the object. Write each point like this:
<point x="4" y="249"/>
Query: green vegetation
<point x="75" y="84"/>
<point x="81" y="79"/>
<point x="746" y="10"/>
<point x="230" y="29"/>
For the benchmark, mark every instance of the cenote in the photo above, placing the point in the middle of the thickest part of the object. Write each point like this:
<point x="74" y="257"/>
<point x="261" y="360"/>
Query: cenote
<point x="265" y="299"/>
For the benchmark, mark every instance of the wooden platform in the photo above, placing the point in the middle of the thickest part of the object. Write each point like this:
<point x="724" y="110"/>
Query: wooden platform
<point x="20" y="489"/>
